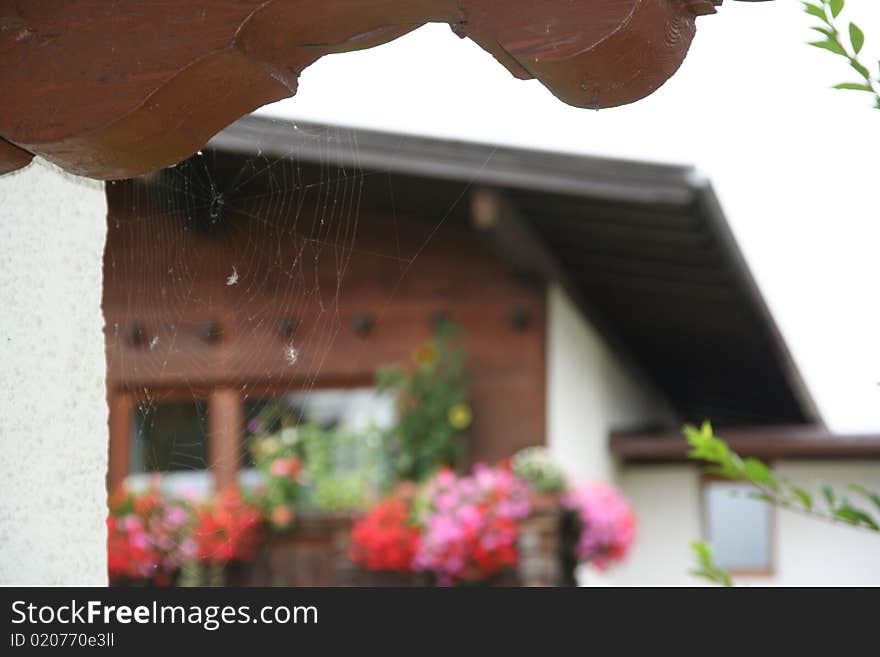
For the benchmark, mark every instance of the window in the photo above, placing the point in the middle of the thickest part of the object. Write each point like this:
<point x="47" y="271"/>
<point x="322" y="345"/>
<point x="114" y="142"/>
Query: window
<point x="739" y="527"/>
<point x="174" y="438"/>
<point x="352" y="409"/>
<point x="361" y="412"/>
<point x="169" y="437"/>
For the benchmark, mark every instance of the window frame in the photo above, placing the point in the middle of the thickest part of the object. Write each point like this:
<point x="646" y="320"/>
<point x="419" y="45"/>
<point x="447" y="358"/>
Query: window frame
<point x="122" y="403"/>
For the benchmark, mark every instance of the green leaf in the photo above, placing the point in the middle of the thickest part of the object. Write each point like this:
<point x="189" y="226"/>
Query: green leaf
<point x="845" y="514"/>
<point x="708" y="570"/>
<point x="702" y="551"/>
<point x="816" y="11"/>
<point x="862" y="70"/>
<point x="824" y="31"/>
<point x="853" y="86"/>
<point x="692" y="434"/>
<point x="856" y="37"/>
<point x="861" y="490"/>
<point x="856" y="516"/>
<point x="830" y="45"/>
<point x="724" y="471"/>
<point x="828" y="493"/>
<point x="804" y="497"/>
<point x="836" y="7"/>
<point x="763" y="497"/>
<point x="705" y="446"/>
<point x="757" y="472"/>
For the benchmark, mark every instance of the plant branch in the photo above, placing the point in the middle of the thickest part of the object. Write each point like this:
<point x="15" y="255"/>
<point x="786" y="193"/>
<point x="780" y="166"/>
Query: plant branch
<point x="706" y="446"/>
<point x="847" y="45"/>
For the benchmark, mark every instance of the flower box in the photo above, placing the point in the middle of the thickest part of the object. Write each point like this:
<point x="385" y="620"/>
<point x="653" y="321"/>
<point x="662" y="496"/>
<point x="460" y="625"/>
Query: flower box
<point x="315" y="553"/>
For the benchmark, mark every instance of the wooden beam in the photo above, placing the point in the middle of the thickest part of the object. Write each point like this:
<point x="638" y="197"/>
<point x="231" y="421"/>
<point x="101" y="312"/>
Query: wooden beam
<point x="768" y="442"/>
<point x="513" y="240"/>
<point x="225" y="431"/>
<point x="114" y="90"/>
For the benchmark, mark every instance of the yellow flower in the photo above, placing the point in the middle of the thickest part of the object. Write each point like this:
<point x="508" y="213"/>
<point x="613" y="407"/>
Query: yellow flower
<point x="425" y="355"/>
<point x="460" y="416"/>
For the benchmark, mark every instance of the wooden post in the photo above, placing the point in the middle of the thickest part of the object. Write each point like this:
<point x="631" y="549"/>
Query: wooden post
<point x="121" y="414"/>
<point x="540" y="548"/>
<point x="225" y="426"/>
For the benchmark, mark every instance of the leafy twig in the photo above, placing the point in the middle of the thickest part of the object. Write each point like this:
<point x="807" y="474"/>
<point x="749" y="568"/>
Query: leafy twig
<point x="706" y="446"/>
<point x="707" y="568"/>
<point x="847" y="46"/>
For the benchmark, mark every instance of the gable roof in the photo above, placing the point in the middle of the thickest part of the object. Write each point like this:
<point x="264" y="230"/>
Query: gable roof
<point x="644" y="249"/>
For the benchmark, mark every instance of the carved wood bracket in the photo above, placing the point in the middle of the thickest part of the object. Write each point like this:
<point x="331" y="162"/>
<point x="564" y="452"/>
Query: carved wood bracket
<point x="114" y="90"/>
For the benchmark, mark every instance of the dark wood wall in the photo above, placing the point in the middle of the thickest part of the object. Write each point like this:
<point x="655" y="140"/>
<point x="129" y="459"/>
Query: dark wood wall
<point x="313" y="269"/>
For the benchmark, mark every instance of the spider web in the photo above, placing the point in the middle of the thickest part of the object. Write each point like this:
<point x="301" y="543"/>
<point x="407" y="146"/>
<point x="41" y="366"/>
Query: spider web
<point x="230" y="272"/>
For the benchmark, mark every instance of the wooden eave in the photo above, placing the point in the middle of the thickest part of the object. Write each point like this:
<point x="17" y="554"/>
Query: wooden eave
<point x="115" y="90"/>
<point x="767" y="442"/>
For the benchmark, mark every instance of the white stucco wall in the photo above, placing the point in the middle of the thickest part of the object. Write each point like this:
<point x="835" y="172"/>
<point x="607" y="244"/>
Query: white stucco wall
<point x="588" y="393"/>
<point x="53" y="413"/>
<point x="53" y="417"/>
<point x="807" y="552"/>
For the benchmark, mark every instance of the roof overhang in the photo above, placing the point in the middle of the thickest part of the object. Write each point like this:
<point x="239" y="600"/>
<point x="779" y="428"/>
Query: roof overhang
<point x="768" y="443"/>
<point x="599" y="178"/>
<point x="643" y="249"/>
<point x="115" y="90"/>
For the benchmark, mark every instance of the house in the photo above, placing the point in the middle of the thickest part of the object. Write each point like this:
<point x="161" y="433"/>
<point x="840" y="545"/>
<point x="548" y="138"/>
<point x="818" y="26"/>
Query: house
<point x="605" y="303"/>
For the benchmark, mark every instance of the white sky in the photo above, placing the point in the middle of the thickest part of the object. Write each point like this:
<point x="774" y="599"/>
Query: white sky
<point x="794" y="163"/>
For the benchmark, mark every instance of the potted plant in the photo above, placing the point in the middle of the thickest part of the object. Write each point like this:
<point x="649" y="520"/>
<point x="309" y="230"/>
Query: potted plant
<point x="149" y="537"/>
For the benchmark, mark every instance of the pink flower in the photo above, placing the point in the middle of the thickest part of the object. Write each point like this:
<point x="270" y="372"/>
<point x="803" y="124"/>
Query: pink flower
<point x="176" y="516"/>
<point x="132" y="523"/>
<point x="607" y="520"/>
<point x="139" y="540"/>
<point x="146" y="531"/>
<point x="188" y="549"/>
<point x="470" y="529"/>
<point x="285" y="467"/>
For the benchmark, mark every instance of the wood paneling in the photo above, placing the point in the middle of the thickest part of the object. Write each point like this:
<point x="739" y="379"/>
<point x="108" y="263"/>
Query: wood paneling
<point x="165" y="281"/>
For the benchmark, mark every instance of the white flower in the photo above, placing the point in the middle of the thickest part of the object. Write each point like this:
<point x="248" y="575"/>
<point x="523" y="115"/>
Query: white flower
<point x="289" y="436"/>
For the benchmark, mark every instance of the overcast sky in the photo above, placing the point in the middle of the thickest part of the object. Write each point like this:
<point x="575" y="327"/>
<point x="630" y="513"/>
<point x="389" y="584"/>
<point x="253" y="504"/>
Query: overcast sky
<point x="794" y="163"/>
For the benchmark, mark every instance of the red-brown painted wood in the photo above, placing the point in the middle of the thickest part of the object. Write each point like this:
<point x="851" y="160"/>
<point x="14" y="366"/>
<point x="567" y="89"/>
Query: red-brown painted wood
<point x="113" y="90"/>
<point x="170" y="281"/>
<point x="13" y="157"/>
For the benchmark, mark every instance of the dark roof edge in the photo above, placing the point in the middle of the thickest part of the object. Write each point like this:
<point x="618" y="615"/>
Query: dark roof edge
<point x="708" y="202"/>
<point x="605" y="179"/>
<point x="477" y="163"/>
<point x="768" y="442"/>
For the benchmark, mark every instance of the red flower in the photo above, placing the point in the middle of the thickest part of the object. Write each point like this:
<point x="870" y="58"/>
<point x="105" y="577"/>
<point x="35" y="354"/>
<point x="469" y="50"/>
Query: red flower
<point x="147" y="536"/>
<point x="228" y="529"/>
<point x="384" y="539"/>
